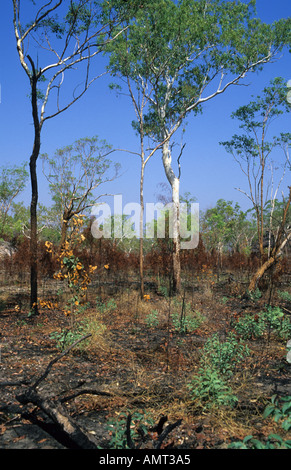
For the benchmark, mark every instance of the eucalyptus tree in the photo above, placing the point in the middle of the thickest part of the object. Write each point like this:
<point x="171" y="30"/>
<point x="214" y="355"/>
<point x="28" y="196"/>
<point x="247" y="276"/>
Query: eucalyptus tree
<point x="254" y="153"/>
<point x="225" y="228"/>
<point x="189" y="52"/>
<point x="74" y="174"/>
<point x="124" y="68"/>
<point x="62" y="36"/>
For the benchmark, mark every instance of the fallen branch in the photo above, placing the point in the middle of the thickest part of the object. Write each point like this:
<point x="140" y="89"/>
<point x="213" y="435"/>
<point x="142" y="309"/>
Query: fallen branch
<point x="54" y="409"/>
<point x="48" y="369"/>
<point x="13" y="384"/>
<point x="61" y="417"/>
<point x="85" y="391"/>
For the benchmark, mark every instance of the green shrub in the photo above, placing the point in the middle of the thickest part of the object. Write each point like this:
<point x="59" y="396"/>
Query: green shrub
<point x="280" y="412"/>
<point x="66" y="337"/>
<point x="163" y="290"/>
<point x="272" y="442"/>
<point x="255" y="295"/>
<point x="209" y="388"/>
<point x="284" y="295"/>
<point x="152" y="319"/>
<point x="224" y="356"/>
<point x="250" y="326"/>
<point x="276" y="321"/>
<point x="218" y="361"/>
<point x="105" y="307"/>
<point x="184" y="319"/>
<point x="253" y="326"/>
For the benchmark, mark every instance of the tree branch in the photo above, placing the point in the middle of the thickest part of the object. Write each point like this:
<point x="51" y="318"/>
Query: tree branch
<point x="56" y="359"/>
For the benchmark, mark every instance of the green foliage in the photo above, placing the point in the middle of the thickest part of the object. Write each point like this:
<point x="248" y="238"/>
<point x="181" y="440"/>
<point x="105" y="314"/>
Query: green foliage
<point x="280" y="414"/>
<point x="67" y="336"/>
<point x="225" y="225"/>
<point x="74" y="172"/>
<point x="12" y="182"/>
<point x="181" y="47"/>
<point x="253" y="152"/>
<point x="105" y="307"/>
<point x="277" y="322"/>
<point x="224" y="356"/>
<point x="152" y="319"/>
<point x="218" y="361"/>
<point x="255" y="295"/>
<point x="284" y="295"/>
<point x="140" y="422"/>
<point x="187" y="321"/>
<point x="210" y="389"/>
<point x="163" y="290"/>
<point x="251" y="326"/>
<point x="272" y="442"/>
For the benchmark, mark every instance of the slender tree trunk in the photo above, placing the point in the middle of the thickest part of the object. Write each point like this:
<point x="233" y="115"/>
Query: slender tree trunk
<point x="176" y="236"/>
<point x="33" y="234"/>
<point x="34" y="197"/>
<point x="276" y="252"/>
<point x="275" y="255"/>
<point x="175" y="186"/>
<point x="141" y="267"/>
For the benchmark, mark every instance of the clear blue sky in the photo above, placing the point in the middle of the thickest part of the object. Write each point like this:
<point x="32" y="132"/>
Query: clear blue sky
<point x="208" y="172"/>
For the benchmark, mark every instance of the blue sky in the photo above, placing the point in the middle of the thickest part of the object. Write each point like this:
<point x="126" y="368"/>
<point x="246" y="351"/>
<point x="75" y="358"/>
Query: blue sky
<point x="208" y="172"/>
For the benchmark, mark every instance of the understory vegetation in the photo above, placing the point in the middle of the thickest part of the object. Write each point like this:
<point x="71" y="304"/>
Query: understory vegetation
<point x="210" y="361"/>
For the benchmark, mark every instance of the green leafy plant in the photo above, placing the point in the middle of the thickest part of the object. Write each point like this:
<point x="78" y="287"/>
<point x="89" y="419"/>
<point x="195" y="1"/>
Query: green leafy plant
<point x="277" y="321"/>
<point x="66" y="336"/>
<point x="280" y="411"/>
<point x="152" y="319"/>
<point x="140" y="422"/>
<point x="255" y="295"/>
<point x="184" y="319"/>
<point x="250" y="326"/>
<point x="209" y="388"/>
<point x="273" y="319"/>
<point x="284" y="295"/>
<point x="90" y="325"/>
<point x="218" y="361"/>
<point x="273" y="442"/>
<point x="224" y="356"/>
<point x="105" y="307"/>
<point x="163" y="290"/>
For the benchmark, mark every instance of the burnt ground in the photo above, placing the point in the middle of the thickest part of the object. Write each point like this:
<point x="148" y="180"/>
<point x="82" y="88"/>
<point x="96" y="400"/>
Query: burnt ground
<point x="144" y="368"/>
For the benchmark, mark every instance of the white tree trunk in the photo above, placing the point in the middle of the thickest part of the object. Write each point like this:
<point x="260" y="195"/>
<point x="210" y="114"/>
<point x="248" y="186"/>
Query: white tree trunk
<point x="175" y="186"/>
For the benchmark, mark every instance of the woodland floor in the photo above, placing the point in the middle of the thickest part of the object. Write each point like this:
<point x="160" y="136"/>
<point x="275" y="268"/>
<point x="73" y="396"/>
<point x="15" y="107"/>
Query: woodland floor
<point x="145" y="369"/>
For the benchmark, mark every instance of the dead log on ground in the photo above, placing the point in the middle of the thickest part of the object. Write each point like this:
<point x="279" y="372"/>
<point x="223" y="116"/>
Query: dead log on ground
<point x="54" y="409"/>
